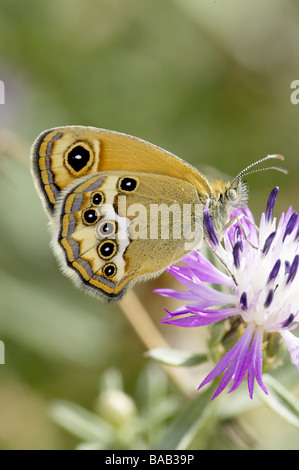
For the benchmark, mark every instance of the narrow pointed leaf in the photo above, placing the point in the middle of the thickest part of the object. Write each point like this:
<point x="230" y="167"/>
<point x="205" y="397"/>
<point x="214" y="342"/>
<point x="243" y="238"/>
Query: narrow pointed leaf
<point x="187" y="426"/>
<point x="281" y="400"/>
<point x="175" y="357"/>
<point x="81" y="422"/>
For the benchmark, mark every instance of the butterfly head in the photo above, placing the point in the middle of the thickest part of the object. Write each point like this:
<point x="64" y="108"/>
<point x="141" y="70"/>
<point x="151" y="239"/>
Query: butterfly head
<point x="227" y="197"/>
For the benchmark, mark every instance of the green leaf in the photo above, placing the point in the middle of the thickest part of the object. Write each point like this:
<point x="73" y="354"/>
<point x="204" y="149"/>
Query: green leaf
<point x="187" y="426"/>
<point x="175" y="357"/>
<point x="81" y="422"/>
<point x="283" y="402"/>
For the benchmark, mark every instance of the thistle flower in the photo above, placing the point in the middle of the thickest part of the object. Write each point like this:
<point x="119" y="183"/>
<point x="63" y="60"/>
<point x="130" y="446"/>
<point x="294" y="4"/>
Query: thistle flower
<point x="262" y="285"/>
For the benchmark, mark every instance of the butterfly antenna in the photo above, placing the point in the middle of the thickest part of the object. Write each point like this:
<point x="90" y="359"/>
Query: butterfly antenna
<point x="245" y="171"/>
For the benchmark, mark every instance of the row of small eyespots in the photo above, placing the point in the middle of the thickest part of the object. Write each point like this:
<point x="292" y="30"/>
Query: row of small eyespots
<point x="106" y="250"/>
<point x="125" y="184"/>
<point x="90" y="216"/>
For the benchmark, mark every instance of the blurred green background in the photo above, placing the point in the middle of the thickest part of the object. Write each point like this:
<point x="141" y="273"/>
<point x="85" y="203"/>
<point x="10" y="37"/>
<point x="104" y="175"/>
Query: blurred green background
<point x="207" y="80"/>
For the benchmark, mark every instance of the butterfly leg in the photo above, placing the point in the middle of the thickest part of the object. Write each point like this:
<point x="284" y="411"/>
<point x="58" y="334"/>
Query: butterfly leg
<point x="235" y="219"/>
<point x="223" y="263"/>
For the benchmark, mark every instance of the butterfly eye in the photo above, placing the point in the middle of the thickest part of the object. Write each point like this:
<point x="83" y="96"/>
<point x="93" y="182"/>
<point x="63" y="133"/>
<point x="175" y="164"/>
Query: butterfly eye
<point x="109" y="270"/>
<point x="97" y="199"/>
<point x="106" y="228"/>
<point x="107" y="249"/>
<point x="231" y="194"/>
<point x="90" y="216"/>
<point x="127" y="184"/>
<point x="79" y="158"/>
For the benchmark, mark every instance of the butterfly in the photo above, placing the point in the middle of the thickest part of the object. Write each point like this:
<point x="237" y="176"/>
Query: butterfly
<point x="92" y="182"/>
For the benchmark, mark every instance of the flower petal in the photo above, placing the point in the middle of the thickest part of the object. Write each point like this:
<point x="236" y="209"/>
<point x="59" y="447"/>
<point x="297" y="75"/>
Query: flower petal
<point x="223" y="364"/>
<point x="257" y="362"/>
<point x="196" y="318"/>
<point x="270" y="203"/>
<point x="239" y="360"/>
<point x="205" y="270"/>
<point x="243" y="358"/>
<point x="209" y="225"/>
<point x="177" y="294"/>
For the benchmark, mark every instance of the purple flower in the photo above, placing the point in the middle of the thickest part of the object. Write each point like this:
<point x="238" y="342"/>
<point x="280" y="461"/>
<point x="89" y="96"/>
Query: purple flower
<point x="262" y="284"/>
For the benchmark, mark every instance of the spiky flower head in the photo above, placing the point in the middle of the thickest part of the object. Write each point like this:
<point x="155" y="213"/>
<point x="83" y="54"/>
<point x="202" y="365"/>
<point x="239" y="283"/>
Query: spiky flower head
<point x="261" y="297"/>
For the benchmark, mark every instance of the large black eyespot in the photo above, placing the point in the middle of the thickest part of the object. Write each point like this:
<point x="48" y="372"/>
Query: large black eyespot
<point x="109" y="270"/>
<point x="97" y="198"/>
<point x="106" y="228"/>
<point x="107" y="249"/>
<point x="90" y="216"/>
<point x="79" y="158"/>
<point x="127" y="184"/>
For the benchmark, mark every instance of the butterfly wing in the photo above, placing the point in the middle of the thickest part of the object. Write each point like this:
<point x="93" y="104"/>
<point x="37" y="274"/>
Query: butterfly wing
<point x="117" y="228"/>
<point x="62" y="155"/>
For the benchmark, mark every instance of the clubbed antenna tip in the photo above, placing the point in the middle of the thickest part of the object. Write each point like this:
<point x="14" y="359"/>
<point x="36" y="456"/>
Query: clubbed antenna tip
<point x="245" y="172"/>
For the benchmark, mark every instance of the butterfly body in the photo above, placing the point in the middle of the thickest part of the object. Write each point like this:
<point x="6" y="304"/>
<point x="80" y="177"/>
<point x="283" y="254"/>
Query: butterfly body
<point x="122" y="210"/>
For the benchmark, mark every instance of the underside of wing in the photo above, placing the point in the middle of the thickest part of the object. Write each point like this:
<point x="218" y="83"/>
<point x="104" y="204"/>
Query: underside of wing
<point x="117" y="228"/>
